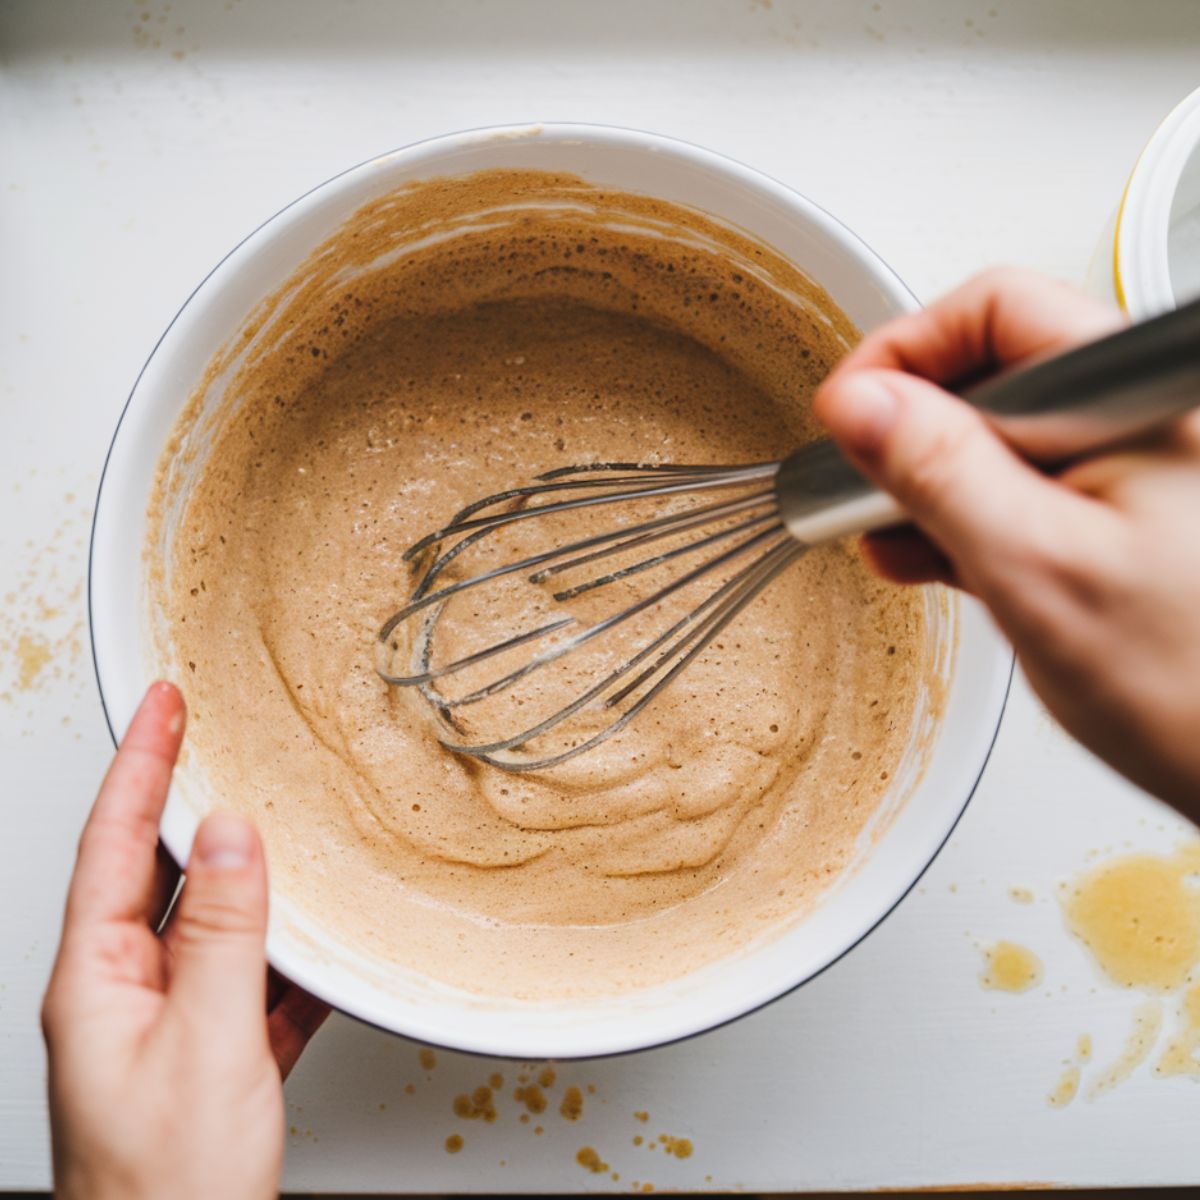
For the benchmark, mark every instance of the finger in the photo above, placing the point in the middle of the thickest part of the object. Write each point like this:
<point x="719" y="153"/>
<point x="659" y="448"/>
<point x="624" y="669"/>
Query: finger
<point x="115" y="872"/>
<point x="989" y="512"/>
<point x="218" y="930"/>
<point x="168" y="937"/>
<point x="1000" y="316"/>
<point x="1123" y="474"/>
<point x="293" y="1020"/>
<point x="904" y="555"/>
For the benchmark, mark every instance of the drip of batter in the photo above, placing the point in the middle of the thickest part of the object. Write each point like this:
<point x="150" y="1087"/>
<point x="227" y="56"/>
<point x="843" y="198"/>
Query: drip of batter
<point x="452" y="339"/>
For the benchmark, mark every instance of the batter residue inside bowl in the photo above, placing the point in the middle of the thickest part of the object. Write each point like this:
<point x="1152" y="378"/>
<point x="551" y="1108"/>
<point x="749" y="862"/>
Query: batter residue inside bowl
<point x="452" y="339"/>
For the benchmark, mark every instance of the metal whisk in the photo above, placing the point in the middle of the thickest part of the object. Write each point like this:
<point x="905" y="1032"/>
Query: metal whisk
<point x="746" y="524"/>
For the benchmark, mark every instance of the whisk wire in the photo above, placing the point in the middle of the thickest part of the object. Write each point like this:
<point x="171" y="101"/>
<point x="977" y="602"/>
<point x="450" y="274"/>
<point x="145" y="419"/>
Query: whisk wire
<point x="746" y="585"/>
<point x="753" y="519"/>
<point x="592" y="631"/>
<point x="667" y="525"/>
<point x="661" y="527"/>
<point x="653" y="469"/>
<point x="658" y="559"/>
<point x="693" y="481"/>
<point x="768" y="567"/>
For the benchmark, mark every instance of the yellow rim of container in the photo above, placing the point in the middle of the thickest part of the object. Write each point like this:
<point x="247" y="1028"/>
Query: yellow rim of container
<point x="1118" y="284"/>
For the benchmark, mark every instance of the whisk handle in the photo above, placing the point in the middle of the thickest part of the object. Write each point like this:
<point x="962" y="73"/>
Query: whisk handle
<point x="1052" y="411"/>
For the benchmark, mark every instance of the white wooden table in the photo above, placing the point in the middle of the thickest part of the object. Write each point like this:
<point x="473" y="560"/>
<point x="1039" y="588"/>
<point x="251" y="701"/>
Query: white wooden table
<point x="139" y="141"/>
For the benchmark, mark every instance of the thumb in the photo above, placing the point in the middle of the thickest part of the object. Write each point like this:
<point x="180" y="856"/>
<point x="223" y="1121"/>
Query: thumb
<point x="219" y="971"/>
<point x="968" y="491"/>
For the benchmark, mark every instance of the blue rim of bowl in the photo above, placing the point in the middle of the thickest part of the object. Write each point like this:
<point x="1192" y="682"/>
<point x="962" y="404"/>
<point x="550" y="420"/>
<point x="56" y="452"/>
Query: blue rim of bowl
<point x="552" y="127"/>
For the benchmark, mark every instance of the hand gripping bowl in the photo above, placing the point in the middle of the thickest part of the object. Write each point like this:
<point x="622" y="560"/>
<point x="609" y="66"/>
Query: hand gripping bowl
<point x="945" y="758"/>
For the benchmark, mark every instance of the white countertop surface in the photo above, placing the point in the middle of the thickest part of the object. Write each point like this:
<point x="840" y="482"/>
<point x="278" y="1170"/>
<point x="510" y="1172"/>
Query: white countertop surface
<point x="140" y="141"/>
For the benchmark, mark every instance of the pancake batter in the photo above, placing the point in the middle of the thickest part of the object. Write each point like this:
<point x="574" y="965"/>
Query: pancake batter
<point x="454" y="338"/>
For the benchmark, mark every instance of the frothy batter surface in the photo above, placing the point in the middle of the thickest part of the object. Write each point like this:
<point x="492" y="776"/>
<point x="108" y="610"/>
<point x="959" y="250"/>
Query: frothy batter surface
<point x="454" y="339"/>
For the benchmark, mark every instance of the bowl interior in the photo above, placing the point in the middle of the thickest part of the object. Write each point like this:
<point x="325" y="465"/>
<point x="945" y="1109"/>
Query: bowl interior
<point x="948" y="747"/>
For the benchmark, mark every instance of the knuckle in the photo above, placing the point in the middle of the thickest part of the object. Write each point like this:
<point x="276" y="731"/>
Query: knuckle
<point x="1035" y="551"/>
<point x="118" y="947"/>
<point x="209" y="918"/>
<point x="1097" y="573"/>
<point x="113" y="841"/>
<point x="119" y="834"/>
<point x="1187" y="431"/>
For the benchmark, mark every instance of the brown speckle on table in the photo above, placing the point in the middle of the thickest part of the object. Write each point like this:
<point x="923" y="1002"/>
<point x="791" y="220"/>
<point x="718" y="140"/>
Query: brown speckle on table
<point x="42" y="620"/>
<point x="571" y="1108"/>
<point x="679" y="1147"/>
<point x="532" y="1097"/>
<point x="587" y="1158"/>
<point x="479" y="1105"/>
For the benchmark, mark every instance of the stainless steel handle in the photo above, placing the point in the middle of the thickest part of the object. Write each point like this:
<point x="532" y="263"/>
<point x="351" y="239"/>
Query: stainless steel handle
<point x="1052" y="411"/>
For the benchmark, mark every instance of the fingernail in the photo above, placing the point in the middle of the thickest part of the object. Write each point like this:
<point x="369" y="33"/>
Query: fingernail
<point x="224" y="841"/>
<point x="862" y="412"/>
<point x="163" y="691"/>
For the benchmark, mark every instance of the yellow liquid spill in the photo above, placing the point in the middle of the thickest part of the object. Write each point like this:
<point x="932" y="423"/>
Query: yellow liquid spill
<point x="1182" y="1055"/>
<point x="1011" y="968"/>
<point x="1066" y="1088"/>
<point x="1147" y="1021"/>
<point x="1140" y="917"/>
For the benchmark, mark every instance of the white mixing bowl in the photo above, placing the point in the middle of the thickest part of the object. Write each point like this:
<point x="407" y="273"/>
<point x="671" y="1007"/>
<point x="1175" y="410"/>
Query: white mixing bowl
<point x="930" y="791"/>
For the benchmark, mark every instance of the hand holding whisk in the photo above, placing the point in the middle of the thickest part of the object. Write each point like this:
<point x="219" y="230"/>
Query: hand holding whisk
<point x="625" y="573"/>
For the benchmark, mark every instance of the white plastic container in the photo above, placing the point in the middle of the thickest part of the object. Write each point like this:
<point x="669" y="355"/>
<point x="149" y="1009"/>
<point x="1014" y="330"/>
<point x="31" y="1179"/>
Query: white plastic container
<point x="1148" y="259"/>
<point x="924" y="805"/>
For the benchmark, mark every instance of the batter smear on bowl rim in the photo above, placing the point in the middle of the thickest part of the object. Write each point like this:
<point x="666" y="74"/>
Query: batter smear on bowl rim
<point x="454" y="338"/>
